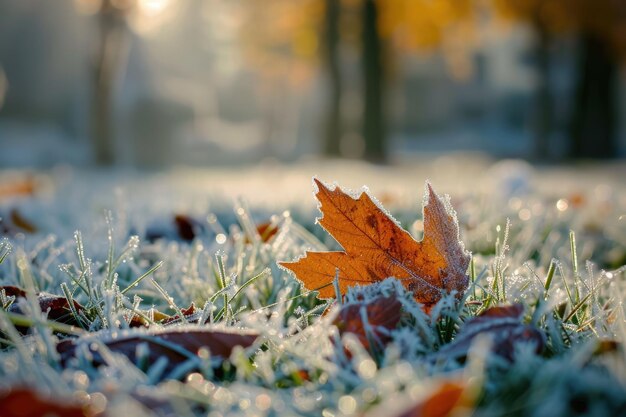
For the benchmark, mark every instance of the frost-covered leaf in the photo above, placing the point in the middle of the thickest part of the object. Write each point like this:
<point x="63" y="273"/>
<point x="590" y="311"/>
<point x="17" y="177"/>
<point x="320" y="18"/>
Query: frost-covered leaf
<point x="12" y="186"/>
<point x="448" y="398"/>
<point x="190" y="313"/>
<point x="185" y="226"/>
<point x="13" y="291"/>
<point x="176" y="345"/>
<point x="266" y="231"/>
<point x="376" y="247"/>
<point x="382" y="315"/>
<point x="26" y="402"/>
<point x="442" y="402"/>
<point x="57" y="307"/>
<point x="15" y="222"/>
<point x="503" y="324"/>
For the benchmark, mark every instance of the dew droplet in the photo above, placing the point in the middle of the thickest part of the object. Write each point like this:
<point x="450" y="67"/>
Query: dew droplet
<point x="347" y="404"/>
<point x="524" y="214"/>
<point x="220" y="238"/>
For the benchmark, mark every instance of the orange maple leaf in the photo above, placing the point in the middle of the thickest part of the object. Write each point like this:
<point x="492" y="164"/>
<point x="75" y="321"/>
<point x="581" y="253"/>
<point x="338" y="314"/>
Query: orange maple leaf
<point x="376" y="247"/>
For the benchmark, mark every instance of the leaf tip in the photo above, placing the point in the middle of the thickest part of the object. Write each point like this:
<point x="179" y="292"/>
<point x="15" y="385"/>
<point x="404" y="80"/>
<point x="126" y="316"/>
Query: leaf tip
<point x="430" y="192"/>
<point x="318" y="184"/>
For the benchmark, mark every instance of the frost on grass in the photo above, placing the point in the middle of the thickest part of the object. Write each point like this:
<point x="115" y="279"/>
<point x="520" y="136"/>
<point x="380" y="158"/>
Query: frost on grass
<point x="302" y="363"/>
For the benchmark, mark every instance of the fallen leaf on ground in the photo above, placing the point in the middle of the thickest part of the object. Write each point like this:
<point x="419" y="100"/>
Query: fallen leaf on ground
<point x="13" y="291"/>
<point x="383" y="315"/>
<point x="15" y="223"/>
<point x="185" y="226"/>
<point x="191" y="315"/>
<point x="176" y="345"/>
<point x="26" y="402"/>
<point x="17" y="186"/>
<point x="267" y="231"/>
<point x="56" y="307"/>
<point x="21" y="222"/>
<point x="448" y="398"/>
<point x="187" y="312"/>
<point x="441" y="403"/>
<point x="178" y="227"/>
<point x="503" y="324"/>
<point x="376" y="247"/>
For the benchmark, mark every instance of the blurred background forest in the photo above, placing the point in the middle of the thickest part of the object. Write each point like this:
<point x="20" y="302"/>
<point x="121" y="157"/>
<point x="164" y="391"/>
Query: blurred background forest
<point x="153" y="83"/>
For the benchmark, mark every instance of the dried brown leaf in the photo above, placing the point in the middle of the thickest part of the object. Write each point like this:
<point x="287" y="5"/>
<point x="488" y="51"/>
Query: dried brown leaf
<point x="376" y="247"/>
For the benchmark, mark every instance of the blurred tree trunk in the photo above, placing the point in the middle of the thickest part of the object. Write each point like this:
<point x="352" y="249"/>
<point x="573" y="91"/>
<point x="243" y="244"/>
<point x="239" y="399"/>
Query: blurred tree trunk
<point x="373" y="113"/>
<point x="333" y="110"/>
<point x="111" y="37"/>
<point x="593" y="123"/>
<point x="543" y="118"/>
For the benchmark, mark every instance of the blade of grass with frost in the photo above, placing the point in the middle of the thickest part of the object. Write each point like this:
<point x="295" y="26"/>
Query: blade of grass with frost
<point x="550" y="275"/>
<point x="308" y="237"/>
<point x="565" y="284"/>
<point x="183" y="369"/>
<point x="8" y="321"/>
<point x="109" y="270"/>
<point x="219" y="293"/>
<point x="169" y="300"/>
<point x="572" y="240"/>
<point x="241" y="211"/>
<point x="70" y="303"/>
<point x="262" y="274"/>
<point x="207" y="313"/>
<point x="25" y="321"/>
<point x="6" y="300"/>
<point x="221" y="270"/>
<point x="85" y="266"/>
<point x="582" y="302"/>
<point x="473" y="276"/>
<point x="80" y="250"/>
<point x="5" y="249"/>
<point x="66" y="268"/>
<point x="131" y="246"/>
<point x="142" y="277"/>
<point x="304" y="294"/>
<point x="135" y="310"/>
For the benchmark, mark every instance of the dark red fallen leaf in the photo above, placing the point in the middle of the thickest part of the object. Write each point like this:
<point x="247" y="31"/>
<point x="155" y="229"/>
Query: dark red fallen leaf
<point x="171" y="344"/>
<point x="138" y="321"/>
<point x="26" y="402"/>
<point x="13" y="291"/>
<point x="186" y="227"/>
<point x="514" y="311"/>
<point x="57" y="307"/>
<point x="178" y="227"/>
<point x="383" y="315"/>
<point x="503" y="324"/>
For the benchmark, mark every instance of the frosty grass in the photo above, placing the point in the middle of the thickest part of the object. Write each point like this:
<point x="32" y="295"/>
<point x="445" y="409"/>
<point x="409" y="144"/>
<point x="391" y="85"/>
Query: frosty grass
<point x="560" y="255"/>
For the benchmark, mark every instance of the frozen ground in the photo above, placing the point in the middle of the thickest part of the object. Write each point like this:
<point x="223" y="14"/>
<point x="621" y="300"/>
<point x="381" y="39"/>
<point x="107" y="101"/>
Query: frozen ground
<point x="299" y="365"/>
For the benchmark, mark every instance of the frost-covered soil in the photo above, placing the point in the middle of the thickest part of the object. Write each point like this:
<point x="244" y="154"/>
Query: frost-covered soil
<point x="300" y="364"/>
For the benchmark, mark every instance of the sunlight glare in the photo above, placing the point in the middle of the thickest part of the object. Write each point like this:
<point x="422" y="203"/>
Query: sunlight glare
<point x="152" y="7"/>
<point x="151" y="14"/>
